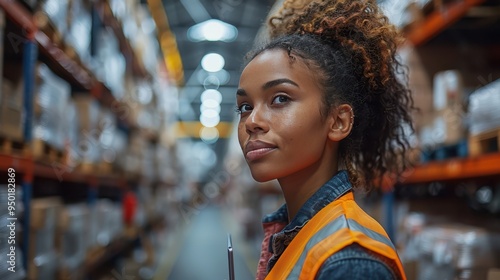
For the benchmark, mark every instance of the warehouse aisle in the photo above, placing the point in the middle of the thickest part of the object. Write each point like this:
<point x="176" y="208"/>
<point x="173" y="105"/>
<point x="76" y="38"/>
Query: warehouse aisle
<point x="203" y="254"/>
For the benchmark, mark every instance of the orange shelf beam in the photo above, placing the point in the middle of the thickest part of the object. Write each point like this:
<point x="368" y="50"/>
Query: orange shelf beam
<point x="439" y="21"/>
<point x="454" y="169"/>
<point x="18" y="14"/>
<point x="63" y="64"/>
<point x="58" y="172"/>
<point x="21" y="165"/>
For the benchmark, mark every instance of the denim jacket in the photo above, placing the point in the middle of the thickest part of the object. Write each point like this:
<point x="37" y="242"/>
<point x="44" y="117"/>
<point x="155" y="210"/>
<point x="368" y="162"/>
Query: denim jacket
<point x="352" y="262"/>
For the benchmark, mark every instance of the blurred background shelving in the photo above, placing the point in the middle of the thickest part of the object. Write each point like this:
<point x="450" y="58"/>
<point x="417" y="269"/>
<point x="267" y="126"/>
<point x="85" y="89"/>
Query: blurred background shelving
<point x="118" y="118"/>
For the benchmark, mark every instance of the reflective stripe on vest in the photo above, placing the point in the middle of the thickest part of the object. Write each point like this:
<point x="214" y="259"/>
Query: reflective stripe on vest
<point x="338" y="225"/>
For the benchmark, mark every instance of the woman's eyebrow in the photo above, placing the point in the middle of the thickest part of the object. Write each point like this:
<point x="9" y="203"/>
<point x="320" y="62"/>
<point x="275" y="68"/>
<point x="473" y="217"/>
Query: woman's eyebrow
<point x="268" y="85"/>
<point x="241" y="92"/>
<point x="276" y="82"/>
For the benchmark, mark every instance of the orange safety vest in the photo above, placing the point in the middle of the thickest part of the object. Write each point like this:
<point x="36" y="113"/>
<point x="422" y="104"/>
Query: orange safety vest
<point x="336" y="226"/>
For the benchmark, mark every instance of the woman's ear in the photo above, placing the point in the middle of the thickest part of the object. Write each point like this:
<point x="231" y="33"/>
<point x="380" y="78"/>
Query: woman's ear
<point x="342" y="119"/>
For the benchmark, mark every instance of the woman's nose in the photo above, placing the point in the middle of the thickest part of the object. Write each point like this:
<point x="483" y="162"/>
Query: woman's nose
<point x="257" y="121"/>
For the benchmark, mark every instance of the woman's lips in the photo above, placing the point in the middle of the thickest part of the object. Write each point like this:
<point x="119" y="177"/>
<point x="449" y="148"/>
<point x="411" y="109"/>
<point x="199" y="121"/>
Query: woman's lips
<point x="257" y="149"/>
<point x="259" y="153"/>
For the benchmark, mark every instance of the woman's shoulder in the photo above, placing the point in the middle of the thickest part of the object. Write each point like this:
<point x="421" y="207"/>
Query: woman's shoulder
<point x="356" y="262"/>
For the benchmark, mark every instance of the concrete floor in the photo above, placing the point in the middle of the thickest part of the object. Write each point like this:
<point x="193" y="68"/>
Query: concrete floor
<point x="203" y="252"/>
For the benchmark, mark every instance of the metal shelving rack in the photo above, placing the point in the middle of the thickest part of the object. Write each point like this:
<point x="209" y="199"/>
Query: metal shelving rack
<point x="471" y="168"/>
<point x="32" y="42"/>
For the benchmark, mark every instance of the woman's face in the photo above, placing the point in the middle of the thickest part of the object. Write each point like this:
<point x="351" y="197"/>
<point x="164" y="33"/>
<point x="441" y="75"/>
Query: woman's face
<point x="281" y="130"/>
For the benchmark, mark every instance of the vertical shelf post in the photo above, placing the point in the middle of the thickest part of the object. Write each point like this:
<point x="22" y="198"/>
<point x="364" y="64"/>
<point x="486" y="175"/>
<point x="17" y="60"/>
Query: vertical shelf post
<point x="29" y="62"/>
<point x="30" y="54"/>
<point x="389" y="214"/>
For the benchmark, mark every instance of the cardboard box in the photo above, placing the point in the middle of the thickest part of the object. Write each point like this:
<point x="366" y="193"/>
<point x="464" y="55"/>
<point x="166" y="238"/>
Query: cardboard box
<point x="450" y="123"/>
<point x="494" y="274"/>
<point x="42" y="255"/>
<point x="11" y="109"/>
<point x="448" y="90"/>
<point x="88" y="133"/>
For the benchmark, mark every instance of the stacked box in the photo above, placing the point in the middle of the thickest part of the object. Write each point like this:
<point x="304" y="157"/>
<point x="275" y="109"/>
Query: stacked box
<point x="57" y="11"/>
<point x="78" y="34"/>
<point x="447" y="123"/>
<point x="131" y="159"/>
<point x="51" y="98"/>
<point x="11" y="109"/>
<point x="106" y="129"/>
<point x="71" y="239"/>
<point x="87" y="110"/>
<point x="42" y="256"/>
<point x="454" y="251"/>
<point x="71" y="132"/>
<point x="109" y="64"/>
<point x="106" y="223"/>
<point x="483" y="108"/>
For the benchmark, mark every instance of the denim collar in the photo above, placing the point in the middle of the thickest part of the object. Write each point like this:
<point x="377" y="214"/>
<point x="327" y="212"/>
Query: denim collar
<point x="337" y="186"/>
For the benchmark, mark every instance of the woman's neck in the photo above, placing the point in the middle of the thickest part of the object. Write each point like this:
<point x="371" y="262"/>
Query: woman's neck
<point x="299" y="187"/>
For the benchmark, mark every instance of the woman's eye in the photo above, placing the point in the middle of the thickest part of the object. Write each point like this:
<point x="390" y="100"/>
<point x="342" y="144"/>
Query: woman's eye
<point x="243" y="108"/>
<point x="280" y="99"/>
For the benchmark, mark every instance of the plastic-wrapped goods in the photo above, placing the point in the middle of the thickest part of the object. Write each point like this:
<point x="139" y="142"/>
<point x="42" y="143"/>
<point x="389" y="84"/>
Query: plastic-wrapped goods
<point x="43" y="257"/>
<point x="87" y="109"/>
<point x="71" y="238"/>
<point x="448" y="90"/>
<point x="109" y="63"/>
<point x="57" y="11"/>
<point x="483" y="108"/>
<point x="451" y="251"/>
<point x="148" y="162"/>
<point x="51" y="97"/>
<point x="449" y="126"/>
<point x="71" y="133"/>
<point x="144" y="41"/>
<point x="10" y="236"/>
<point x="106" y="222"/>
<point x="79" y="29"/>
<point x="115" y="153"/>
<point x="106" y="130"/>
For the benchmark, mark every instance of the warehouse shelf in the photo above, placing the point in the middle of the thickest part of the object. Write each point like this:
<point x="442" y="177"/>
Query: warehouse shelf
<point x="18" y="14"/>
<point x="33" y="169"/>
<point x="65" y="66"/>
<point x="22" y="165"/>
<point x="454" y="169"/>
<point x="58" y="60"/>
<point x="118" y="245"/>
<point x="438" y="21"/>
<point x="62" y="64"/>
<point x="107" y="17"/>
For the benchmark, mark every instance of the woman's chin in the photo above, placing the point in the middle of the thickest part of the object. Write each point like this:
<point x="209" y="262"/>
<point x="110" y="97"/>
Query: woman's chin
<point x="261" y="177"/>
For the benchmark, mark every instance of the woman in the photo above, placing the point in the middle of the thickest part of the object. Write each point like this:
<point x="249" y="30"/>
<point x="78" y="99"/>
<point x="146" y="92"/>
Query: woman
<point x="322" y="111"/>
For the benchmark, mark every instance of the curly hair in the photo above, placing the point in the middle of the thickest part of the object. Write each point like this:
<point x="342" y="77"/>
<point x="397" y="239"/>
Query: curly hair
<point x="352" y="46"/>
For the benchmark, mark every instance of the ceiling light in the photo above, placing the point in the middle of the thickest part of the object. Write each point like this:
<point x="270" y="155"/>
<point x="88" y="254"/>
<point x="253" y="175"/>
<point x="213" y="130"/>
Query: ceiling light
<point x="209" y="121"/>
<point x="212" y="62"/>
<point x="209" y="135"/>
<point x="212" y="30"/>
<point x="211" y="94"/>
<point x="210" y="105"/>
<point x="210" y="113"/>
